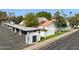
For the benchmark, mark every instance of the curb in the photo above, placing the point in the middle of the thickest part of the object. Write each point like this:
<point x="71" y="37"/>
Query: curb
<point x="46" y="42"/>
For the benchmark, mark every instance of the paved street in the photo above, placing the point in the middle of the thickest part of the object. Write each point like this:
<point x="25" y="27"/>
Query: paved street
<point x="10" y="40"/>
<point x="70" y="42"/>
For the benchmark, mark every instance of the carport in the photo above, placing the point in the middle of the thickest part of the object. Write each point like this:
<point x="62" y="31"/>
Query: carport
<point x="31" y="34"/>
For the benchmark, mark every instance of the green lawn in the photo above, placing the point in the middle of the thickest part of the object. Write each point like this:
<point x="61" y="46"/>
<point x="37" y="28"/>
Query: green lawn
<point x="51" y="36"/>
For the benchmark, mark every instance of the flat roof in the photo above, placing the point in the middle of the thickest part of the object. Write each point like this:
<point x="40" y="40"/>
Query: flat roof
<point x="21" y="27"/>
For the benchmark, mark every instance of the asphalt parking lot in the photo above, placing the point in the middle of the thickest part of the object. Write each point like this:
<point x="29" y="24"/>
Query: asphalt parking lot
<point x="10" y="40"/>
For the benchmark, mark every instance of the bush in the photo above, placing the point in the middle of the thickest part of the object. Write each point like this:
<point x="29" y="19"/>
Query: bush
<point x="42" y="38"/>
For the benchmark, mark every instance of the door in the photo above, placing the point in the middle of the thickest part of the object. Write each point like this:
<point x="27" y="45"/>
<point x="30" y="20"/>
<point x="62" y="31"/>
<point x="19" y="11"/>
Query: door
<point x="34" y="38"/>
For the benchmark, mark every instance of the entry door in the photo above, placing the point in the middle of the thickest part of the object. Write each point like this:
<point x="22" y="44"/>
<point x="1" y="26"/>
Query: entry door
<point x="34" y="38"/>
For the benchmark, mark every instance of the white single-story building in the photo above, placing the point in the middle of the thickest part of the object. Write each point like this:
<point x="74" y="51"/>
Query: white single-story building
<point x="31" y="34"/>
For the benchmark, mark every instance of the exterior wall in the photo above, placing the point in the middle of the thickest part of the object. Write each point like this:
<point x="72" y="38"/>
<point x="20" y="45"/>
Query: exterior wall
<point x="50" y="30"/>
<point x="42" y="33"/>
<point x="29" y="37"/>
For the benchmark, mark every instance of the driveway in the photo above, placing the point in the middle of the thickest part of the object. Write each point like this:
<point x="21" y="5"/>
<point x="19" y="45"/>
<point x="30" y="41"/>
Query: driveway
<point x="69" y="42"/>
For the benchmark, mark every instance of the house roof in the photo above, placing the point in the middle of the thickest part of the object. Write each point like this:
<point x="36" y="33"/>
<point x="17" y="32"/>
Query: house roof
<point x="45" y="24"/>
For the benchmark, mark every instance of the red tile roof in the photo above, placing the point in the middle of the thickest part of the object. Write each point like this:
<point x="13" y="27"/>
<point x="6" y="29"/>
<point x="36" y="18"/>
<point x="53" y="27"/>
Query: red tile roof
<point x="45" y="24"/>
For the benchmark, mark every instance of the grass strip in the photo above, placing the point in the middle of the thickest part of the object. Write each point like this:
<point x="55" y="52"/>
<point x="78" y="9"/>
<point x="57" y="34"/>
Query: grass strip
<point x="51" y="36"/>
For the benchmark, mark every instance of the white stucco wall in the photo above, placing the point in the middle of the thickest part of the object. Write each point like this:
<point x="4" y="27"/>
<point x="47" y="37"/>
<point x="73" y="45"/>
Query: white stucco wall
<point x="50" y="30"/>
<point x="42" y="33"/>
<point x="29" y="37"/>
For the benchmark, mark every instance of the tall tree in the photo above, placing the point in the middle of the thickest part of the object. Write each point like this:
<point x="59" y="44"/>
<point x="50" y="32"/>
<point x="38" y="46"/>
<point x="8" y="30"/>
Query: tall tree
<point x="56" y="15"/>
<point x="16" y="19"/>
<point x="65" y="18"/>
<point x="11" y="15"/>
<point x="60" y="22"/>
<point x="31" y="20"/>
<point x="44" y="14"/>
<point x="74" y="20"/>
<point x="3" y="16"/>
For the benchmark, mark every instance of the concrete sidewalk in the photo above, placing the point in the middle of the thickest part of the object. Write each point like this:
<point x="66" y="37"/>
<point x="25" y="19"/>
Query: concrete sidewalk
<point x="46" y="42"/>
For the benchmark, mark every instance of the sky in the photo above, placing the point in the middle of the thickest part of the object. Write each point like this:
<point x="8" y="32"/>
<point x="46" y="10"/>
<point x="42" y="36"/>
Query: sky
<point x="19" y="12"/>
